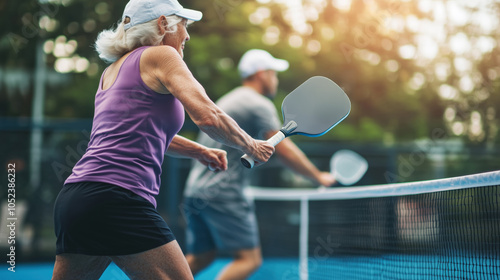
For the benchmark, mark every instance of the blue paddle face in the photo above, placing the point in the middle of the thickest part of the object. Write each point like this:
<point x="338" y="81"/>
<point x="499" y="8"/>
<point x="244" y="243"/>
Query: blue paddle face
<point x="316" y="106"/>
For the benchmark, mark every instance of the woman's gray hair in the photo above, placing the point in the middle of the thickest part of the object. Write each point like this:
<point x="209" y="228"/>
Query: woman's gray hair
<point x="112" y="44"/>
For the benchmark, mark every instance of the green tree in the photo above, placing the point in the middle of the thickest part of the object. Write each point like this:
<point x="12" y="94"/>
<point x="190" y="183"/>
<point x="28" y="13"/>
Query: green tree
<point x="400" y="62"/>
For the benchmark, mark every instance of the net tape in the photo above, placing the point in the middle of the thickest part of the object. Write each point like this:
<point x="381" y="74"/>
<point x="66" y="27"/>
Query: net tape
<point x="399" y="189"/>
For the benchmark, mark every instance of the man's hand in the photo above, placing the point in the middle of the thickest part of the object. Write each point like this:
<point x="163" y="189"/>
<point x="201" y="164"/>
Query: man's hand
<point x="326" y="179"/>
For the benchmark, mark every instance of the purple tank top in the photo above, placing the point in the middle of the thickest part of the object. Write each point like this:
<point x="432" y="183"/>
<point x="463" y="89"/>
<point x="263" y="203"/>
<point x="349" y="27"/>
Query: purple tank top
<point x="132" y="128"/>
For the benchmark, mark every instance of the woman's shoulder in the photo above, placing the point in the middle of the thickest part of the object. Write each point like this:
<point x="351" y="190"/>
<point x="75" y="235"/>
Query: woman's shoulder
<point x="157" y="52"/>
<point x="156" y="66"/>
<point x="159" y="57"/>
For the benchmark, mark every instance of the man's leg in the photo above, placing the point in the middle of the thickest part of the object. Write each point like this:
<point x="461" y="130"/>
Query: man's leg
<point x="244" y="264"/>
<point x="198" y="235"/>
<point x="164" y="262"/>
<point x="76" y="266"/>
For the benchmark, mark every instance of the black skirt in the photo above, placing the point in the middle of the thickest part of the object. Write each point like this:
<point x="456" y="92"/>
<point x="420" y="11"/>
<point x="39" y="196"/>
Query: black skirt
<point x="101" y="219"/>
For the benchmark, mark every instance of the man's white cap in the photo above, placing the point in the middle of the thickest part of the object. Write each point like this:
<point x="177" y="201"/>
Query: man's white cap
<point x="141" y="11"/>
<point x="255" y="60"/>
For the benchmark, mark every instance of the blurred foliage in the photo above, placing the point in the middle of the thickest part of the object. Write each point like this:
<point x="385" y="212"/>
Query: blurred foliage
<point x="394" y="97"/>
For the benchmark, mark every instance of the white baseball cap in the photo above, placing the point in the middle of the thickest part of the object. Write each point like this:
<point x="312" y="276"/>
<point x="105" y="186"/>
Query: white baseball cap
<point x="141" y="11"/>
<point x="256" y="60"/>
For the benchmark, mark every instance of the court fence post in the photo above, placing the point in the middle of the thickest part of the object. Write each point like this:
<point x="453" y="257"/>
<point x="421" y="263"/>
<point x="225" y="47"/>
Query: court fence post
<point x="304" y="238"/>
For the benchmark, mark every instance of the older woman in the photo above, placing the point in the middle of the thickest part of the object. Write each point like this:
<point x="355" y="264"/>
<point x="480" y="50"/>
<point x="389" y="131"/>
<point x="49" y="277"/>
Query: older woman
<point x="106" y="210"/>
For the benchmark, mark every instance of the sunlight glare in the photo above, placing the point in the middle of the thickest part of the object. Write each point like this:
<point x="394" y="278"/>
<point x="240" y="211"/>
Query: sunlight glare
<point x="465" y="84"/>
<point x="313" y="47"/>
<point x="427" y="47"/>
<point x="449" y="114"/>
<point x="417" y="81"/>
<point x="48" y="46"/>
<point x="459" y="43"/>
<point x="327" y="33"/>
<point x="462" y="65"/>
<point x="442" y="70"/>
<point x="426" y="5"/>
<point x="488" y="22"/>
<point x="407" y="51"/>
<point x="448" y="92"/>
<point x="81" y="64"/>
<point x="412" y="23"/>
<point x="64" y="65"/>
<point x="368" y="56"/>
<point x="271" y="35"/>
<point x="457" y="14"/>
<point x="342" y="5"/>
<point x="485" y="44"/>
<point x="458" y="128"/>
<point x="295" y="41"/>
<point x="259" y="15"/>
<point x="476" y="127"/>
<point x="392" y="65"/>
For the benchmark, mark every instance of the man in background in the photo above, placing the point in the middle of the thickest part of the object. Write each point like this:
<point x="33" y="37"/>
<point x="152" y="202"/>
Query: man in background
<point x="219" y="217"/>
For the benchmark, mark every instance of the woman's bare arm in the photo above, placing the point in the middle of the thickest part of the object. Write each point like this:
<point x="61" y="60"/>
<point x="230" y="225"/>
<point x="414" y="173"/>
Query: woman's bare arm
<point x="174" y="77"/>
<point x="182" y="147"/>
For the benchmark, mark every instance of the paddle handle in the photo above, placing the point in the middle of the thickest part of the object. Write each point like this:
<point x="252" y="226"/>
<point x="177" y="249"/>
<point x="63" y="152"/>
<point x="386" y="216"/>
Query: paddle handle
<point x="249" y="163"/>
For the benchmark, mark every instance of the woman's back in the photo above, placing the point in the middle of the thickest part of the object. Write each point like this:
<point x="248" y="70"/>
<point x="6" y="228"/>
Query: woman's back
<point x="132" y="128"/>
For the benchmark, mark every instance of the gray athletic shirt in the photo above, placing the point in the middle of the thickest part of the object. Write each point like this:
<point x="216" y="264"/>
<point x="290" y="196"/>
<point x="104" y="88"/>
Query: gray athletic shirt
<point x="255" y="114"/>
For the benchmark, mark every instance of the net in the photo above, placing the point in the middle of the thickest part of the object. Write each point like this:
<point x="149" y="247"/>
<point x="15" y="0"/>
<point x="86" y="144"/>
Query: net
<point x="438" y="229"/>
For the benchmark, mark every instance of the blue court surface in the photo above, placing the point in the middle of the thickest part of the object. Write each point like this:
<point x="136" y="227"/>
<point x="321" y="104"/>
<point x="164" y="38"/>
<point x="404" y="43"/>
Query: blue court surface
<point x="28" y="271"/>
<point x="354" y="267"/>
<point x="33" y="271"/>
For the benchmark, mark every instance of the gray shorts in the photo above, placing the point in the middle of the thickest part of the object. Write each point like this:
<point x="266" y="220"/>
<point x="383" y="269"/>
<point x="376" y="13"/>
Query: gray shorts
<point x="226" y="226"/>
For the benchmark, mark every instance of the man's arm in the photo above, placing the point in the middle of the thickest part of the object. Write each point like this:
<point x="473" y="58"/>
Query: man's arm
<point x="182" y="147"/>
<point x="293" y="157"/>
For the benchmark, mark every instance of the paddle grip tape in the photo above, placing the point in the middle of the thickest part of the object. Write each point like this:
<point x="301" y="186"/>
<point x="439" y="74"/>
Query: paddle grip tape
<point x="249" y="163"/>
